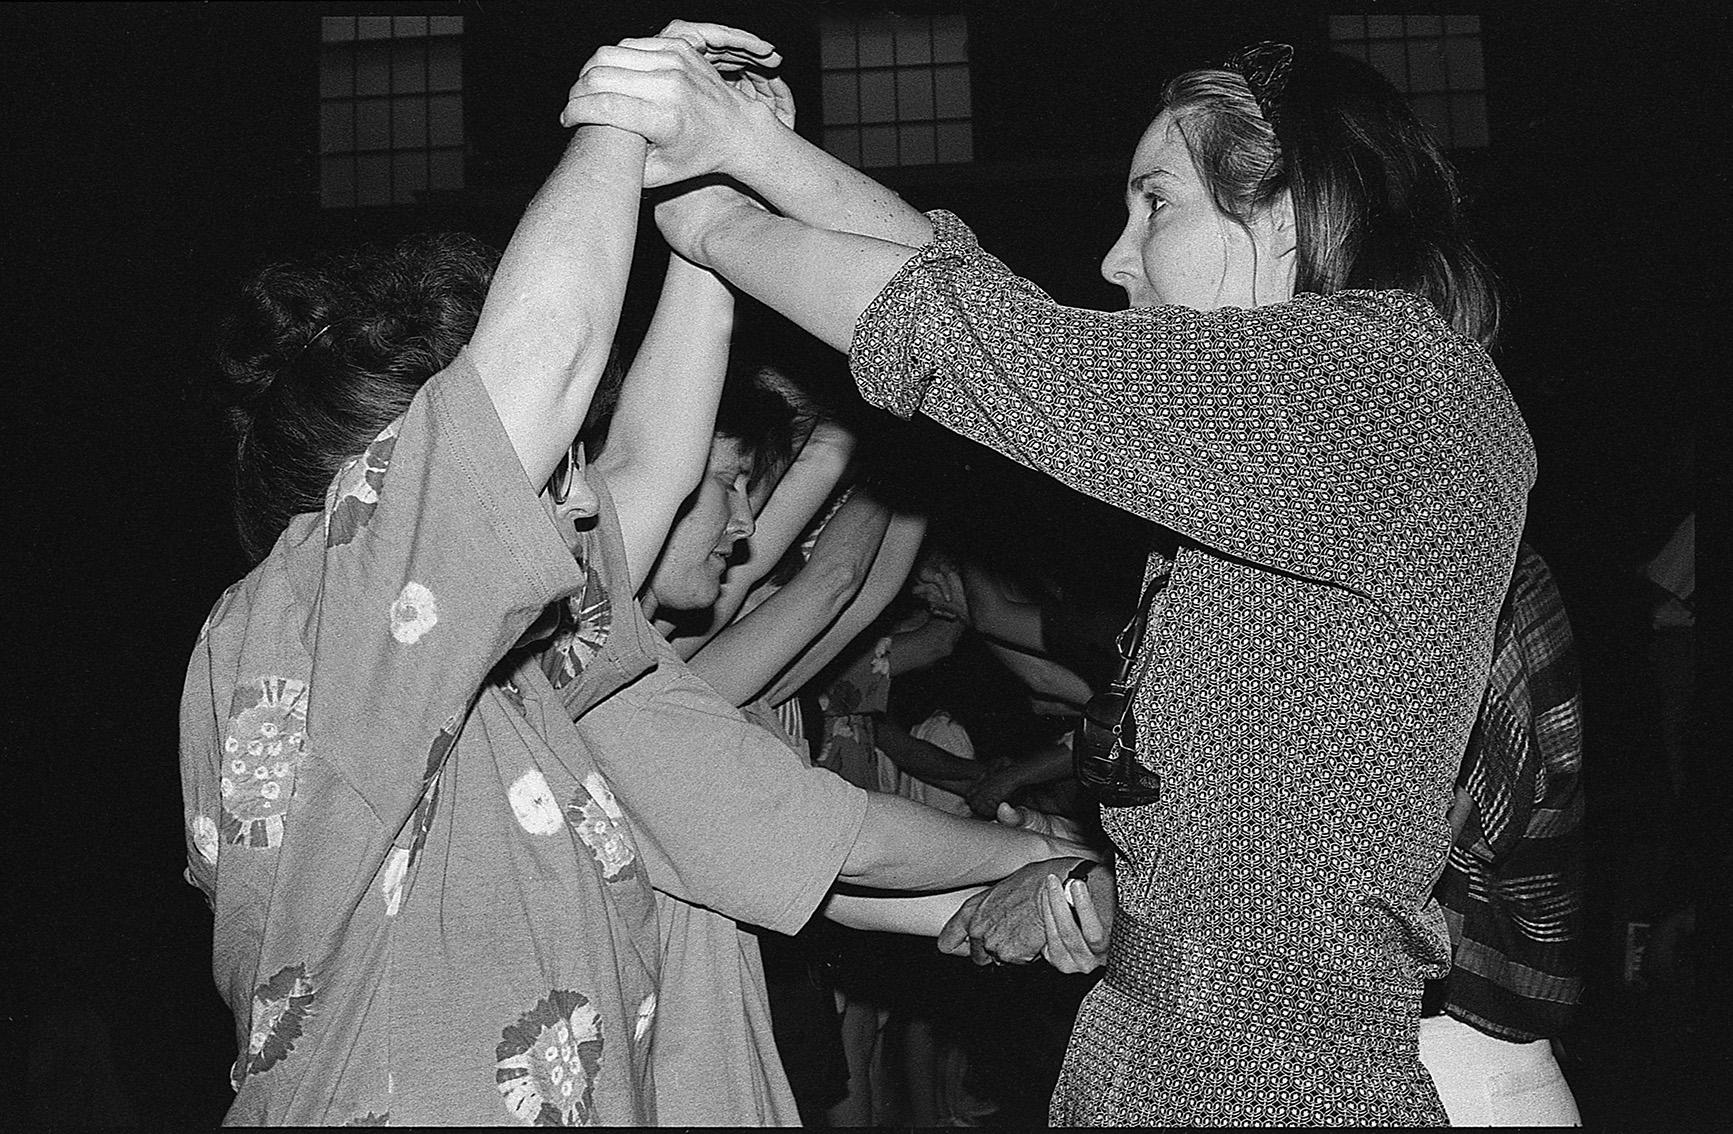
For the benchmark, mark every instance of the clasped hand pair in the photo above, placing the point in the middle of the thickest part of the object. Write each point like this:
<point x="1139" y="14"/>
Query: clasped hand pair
<point x="1030" y="913"/>
<point x="698" y="93"/>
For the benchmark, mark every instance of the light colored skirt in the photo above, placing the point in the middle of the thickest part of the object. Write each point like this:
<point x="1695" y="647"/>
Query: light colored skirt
<point x="1485" y="1081"/>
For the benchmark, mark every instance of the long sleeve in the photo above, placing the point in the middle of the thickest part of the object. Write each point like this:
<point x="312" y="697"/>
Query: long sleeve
<point x="1291" y="435"/>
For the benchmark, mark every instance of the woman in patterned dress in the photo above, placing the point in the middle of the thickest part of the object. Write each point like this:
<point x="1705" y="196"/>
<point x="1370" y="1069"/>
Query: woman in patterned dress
<point x="1300" y="392"/>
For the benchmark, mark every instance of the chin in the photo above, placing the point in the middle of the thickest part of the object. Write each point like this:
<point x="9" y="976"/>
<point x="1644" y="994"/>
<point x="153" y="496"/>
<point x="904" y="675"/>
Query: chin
<point x="696" y="597"/>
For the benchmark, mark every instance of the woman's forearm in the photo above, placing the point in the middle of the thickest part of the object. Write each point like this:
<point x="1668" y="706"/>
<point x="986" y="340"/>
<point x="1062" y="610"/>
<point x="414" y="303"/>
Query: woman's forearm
<point x="542" y="339"/>
<point x="660" y="434"/>
<point x="922" y="759"/>
<point x="820" y="279"/>
<point x="797" y="497"/>
<point x="890" y="569"/>
<point x="804" y="182"/>
<point x="928" y="644"/>
<point x="904" y="845"/>
<point x="922" y="915"/>
<point x="1042" y="676"/>
<point x="747" y="655"/>
<point x="799" y="494"/>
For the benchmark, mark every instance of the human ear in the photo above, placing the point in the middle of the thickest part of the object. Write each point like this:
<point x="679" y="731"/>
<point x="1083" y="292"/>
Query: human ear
<point x="1277" y="239"/>
<point x="1283" y="231"/>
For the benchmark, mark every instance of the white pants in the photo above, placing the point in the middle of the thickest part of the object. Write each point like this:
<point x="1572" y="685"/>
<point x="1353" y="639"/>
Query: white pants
<point x="1485" y="1081"/>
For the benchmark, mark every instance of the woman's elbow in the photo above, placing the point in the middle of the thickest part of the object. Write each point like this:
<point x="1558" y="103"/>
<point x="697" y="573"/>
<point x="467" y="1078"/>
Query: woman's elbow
<point x="834" y="585"/>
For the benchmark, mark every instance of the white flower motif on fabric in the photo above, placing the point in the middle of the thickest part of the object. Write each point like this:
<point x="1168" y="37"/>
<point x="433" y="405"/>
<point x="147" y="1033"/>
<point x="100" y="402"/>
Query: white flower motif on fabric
<point x="263" y="749"/>
<point x="533" y="802"/>
<point x="646" y="1017"/>
<point x="600" y="823"/>
<point x="281" y="1007"/>
<point x="205" y="838"/>
<point x="391" y="879"/>
<point x="414" y="613"/>
<point x="352" y="481"/>
<point x="354" y="492"/>
<point x="604" y="795"/>
<point x="547" y="1062"/>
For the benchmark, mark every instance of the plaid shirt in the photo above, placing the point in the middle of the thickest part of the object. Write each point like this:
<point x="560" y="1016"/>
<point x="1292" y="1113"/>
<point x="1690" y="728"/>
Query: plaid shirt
<point x="1513" y="887"/>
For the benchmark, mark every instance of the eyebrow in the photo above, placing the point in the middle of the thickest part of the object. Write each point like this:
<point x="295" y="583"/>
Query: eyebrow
<point x="1137" y="183"/>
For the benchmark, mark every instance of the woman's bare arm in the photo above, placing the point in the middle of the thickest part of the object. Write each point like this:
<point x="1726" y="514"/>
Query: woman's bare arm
<point x="660" y="433"/>
<point x="904" y="845"/>
<point x="902" y="543"/>
<point x="746" y="656"/>
<point x="923" y="915"/>
<point x="545" y="330"/>
<point x="925" y="760"/>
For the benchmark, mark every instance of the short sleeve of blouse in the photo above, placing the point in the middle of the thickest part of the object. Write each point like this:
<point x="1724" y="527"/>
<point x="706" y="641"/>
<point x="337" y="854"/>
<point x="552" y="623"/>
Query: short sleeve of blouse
<point x="432" y="556"/>
<point x="726" y="815"/>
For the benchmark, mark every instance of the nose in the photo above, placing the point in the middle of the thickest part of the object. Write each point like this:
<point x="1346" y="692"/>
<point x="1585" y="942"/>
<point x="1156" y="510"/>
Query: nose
<point x="741" y="524"/>
<point x="580" y="501"/>
<point x="1120" y="266"/>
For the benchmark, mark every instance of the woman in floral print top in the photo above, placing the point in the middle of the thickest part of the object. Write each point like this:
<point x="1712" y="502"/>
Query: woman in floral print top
<point x="1299" y="390"/>
<point x="429" y="906"/>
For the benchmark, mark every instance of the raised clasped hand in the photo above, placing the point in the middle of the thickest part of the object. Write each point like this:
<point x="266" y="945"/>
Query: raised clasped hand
<point x="671" y="90"/>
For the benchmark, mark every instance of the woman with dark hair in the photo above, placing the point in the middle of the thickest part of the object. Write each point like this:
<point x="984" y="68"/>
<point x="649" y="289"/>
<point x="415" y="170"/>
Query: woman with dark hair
<point x="349" y="751"/>
<point x="431" y="905"/>
<point x="1300" y="391"/>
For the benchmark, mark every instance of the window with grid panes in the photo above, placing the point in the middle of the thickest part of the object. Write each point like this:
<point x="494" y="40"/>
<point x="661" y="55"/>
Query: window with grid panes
<point x="896" y="90"/>
<point x="1435" y="60"/>
<point x="390" y="108"/>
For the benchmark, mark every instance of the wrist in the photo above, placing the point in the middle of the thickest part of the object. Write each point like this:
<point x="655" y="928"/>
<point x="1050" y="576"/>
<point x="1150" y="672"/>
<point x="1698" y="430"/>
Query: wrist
<point x="594" y="143"/>
<point x="710" y="233"/>
<point x="828" y="438"/>
<point x="752" y="152"/>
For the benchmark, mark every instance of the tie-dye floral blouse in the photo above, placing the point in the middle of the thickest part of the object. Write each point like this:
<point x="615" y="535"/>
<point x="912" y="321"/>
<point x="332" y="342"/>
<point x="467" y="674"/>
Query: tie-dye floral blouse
<point x="429" y="905"/>
<point x="1348" y="478"/>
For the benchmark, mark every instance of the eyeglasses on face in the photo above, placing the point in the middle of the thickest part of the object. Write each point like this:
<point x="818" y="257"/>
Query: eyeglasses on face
<point x="566" y="473"/>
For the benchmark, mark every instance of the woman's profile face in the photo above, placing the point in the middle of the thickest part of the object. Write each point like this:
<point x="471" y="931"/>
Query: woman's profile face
<point x="1178" y="247"/>
<point x="718" y="515"/>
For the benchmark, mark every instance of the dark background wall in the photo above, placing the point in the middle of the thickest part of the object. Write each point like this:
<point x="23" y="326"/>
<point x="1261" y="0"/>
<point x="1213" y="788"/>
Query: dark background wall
<point x="160" y="150"/>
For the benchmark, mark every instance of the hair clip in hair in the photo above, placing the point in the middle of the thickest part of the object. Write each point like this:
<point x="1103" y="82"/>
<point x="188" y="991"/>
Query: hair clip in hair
<point x="1265" y="67"/>
<point x="313" y="338"/>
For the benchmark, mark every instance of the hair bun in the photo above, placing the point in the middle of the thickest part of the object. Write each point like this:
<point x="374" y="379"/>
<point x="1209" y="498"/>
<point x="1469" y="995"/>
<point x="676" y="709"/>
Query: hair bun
<point x="408" y="306"/>
<point x="282" y="312"/>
